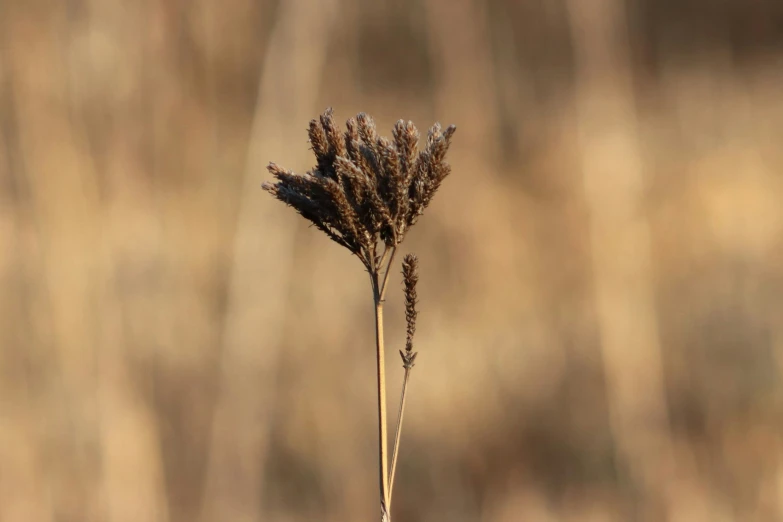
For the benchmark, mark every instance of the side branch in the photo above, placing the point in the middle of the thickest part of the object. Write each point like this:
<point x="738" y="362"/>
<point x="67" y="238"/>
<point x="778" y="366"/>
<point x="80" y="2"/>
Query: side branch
<point x="398" y="432"/>
<point x="386" y="275"/>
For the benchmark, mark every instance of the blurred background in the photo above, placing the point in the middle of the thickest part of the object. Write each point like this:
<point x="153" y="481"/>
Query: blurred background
<point x="600" y="336"/>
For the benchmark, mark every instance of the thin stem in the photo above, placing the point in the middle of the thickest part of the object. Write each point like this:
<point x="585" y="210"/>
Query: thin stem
<point x="381" y="374"/>
<point x="382" y="260"/>
<point x="379" y="291"/>
<point x="396" y="445"/>
<point x="388" y="269"/>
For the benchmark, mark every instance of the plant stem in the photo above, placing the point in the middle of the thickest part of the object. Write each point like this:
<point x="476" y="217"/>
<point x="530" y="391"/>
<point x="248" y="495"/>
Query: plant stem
<point x="382" y="433"/>
<point x="379" y="291"/>
<point x="396" y="445"/>
<point x="386" y="275"/>
<point x="382" y="260"/>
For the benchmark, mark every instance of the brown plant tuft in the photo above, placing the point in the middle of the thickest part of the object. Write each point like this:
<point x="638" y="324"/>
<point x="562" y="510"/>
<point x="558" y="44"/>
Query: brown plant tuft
<point x="365" y="191"/>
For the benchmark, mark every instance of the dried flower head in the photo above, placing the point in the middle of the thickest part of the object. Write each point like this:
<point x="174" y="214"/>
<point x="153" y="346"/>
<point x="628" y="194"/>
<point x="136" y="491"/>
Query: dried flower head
<point x="365" y="190"/>
<point x="410" y="276"/>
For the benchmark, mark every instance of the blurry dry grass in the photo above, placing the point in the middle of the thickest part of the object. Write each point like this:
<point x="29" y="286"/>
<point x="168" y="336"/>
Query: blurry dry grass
<point x="602" y="339"/>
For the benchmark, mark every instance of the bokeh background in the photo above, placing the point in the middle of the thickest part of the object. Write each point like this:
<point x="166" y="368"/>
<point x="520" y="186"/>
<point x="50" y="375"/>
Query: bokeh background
<point x="601" y="327"/>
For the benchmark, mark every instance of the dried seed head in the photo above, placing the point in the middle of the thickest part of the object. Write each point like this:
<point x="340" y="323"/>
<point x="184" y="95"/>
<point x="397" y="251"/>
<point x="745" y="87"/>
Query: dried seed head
<point x="367" y="128"/>
<point x="333" y="136"/>
<point x="318" y="142"/>
<point x="352" y="140"/>
<point x="410" y="276"/>
<point x="365" y="189"/>
<point x="406" y="137"/>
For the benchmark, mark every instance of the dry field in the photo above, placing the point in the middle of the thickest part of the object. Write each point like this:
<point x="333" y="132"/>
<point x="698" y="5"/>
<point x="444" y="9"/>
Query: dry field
<point x="601" y="324"/>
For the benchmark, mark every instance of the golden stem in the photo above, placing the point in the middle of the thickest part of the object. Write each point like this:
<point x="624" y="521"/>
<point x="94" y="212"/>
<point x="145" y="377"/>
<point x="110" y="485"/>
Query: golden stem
<point x="381" y="373"/>
<point x="396" y="446"/>
<point x="379" y="291"/>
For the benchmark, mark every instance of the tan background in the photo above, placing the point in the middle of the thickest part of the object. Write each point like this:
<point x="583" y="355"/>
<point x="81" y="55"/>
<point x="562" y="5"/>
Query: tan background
<point x="601" y="333"/>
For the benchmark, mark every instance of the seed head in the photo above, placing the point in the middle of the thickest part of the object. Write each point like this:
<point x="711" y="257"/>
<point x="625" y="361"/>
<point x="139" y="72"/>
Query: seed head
<point x="410" y="276"/>
<point x="365" y="190"/>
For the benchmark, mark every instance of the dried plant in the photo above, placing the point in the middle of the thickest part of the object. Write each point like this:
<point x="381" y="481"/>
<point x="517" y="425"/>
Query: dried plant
<point x="410" y="276"/>
<point x="365" y="193"/>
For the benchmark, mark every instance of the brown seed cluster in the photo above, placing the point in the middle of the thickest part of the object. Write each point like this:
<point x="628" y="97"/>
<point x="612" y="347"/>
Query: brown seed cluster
<point x="365" y="190"/>
<point x="410" y="276"/>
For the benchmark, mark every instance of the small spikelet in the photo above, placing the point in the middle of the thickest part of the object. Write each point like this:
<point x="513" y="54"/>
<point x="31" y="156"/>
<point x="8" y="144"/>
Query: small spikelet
<point x="367" y="130"/>
<point x="352" y="139"/>
<point x="347" y="218"/>
<point x="436" y="169"/>
<point x="369" y="162"/>
<point x="333" y="137"/>
<point x="389" y="178"/>
<point x="406" y="138"/>
<point x="433" y="134"/>
<point x="410" y="276"/>
<point x="448" y="133"/>
<point x="318" y="142"/>
<point x="417" y="188"/>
